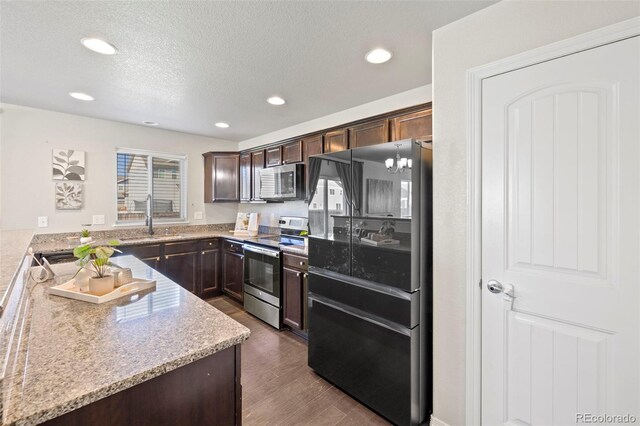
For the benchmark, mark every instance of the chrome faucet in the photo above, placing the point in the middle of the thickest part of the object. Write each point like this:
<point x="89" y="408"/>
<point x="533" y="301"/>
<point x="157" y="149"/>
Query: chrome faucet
<point x="149" y="220"/>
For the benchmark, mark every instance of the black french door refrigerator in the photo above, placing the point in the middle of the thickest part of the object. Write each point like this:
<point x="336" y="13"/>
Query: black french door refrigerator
<point x="370" y="298"/>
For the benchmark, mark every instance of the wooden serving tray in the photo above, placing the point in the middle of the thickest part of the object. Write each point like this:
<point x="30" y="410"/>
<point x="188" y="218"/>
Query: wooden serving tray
<point x="71" y="291"/>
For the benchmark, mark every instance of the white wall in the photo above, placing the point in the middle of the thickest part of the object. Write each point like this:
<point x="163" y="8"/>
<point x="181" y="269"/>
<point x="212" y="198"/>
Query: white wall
<point x="27" y="137"/>
<point x="412" y="97"/>
<point x="499" y="31"/>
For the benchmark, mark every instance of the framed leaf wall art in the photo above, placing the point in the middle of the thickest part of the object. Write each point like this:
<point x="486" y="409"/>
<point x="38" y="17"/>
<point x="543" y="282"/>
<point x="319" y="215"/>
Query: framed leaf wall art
<point x="68" y="164"/>
<point x="68" y="195"/>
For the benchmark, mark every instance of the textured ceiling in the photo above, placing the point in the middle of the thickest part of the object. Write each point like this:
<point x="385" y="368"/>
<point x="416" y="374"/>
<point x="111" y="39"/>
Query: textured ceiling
<point x="188" y="65"/>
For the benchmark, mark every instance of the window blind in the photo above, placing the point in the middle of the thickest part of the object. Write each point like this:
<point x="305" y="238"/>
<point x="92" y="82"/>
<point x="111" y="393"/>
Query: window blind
<point x="141" y="174"/>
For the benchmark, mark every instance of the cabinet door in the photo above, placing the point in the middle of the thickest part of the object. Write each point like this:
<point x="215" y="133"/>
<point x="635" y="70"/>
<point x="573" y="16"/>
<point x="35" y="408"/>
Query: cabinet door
<point x="292" y="152"/>
<point x="232" y="274"/>
<point x="311" y="146"/>
<point x="257" y="164"/>
<point x="245" y="177"/>
<point x="183" y="269"/>
<point x="292" y="292"/>
<point x="372" y="133"/>
<point x="338" y="140"/>
<point x="154" y="262"/>
<point x="412" y="126"/>
<point x="221" y="177"/>
<point x="274" y="156"/>
<point x="210" y="272"/>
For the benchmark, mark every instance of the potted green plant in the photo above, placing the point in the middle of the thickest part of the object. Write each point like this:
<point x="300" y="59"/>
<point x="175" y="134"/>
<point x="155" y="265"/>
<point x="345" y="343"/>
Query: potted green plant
<point x="85" y="236"/>
<point x="96" y="261"/>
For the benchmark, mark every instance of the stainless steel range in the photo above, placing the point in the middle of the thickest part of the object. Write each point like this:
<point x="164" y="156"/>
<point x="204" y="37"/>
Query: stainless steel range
<point x="263" y="267"/>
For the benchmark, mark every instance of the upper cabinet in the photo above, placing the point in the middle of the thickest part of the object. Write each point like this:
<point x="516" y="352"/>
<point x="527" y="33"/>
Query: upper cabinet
<point x="337" y="140"/>
<point x="369" y="133"/>
<point x="222" y="176"/>
<point x="416" y="125"/>
<point x="311" y="145"/>
<point x="257" y="164"/>
<point x="274" y="156"/>
<point x="292" y="152"/>
<point x="245" y="177"/>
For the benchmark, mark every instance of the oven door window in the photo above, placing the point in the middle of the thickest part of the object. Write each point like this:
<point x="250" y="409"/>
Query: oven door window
<point x="263" y="273"/>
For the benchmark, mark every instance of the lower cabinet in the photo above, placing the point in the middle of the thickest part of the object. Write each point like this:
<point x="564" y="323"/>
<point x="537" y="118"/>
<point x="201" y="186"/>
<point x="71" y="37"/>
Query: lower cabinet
<point x="292" y="290"/>
<point x="210" y="272"/>
<point x="183" y="269"/>
<point x="232" y="274"/>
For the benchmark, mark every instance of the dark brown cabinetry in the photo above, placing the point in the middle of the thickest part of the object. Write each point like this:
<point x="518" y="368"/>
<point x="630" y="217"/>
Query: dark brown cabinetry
<point x="232" y="269"/>
<point x="222" y="177"/>
<point x="257" y="164"/>
<point x="292" y="152"/>
<point x="370" y="133"/>
<point x="311" y="145"/>
<point x="194" y="265"/>
<point x="294" y="289"/>
<point x="274" y="156"/>
<point x="181" y="264"/>
<point x="337" y="140"/>
<point x="245" y="177"/>
<point x="210" y="269"/>
<point x="416" y="125"/>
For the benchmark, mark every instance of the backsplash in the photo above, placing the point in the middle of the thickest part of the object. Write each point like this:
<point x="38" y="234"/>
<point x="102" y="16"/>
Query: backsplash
<point x="134" y="232"/>
<point x="271" y="212"/>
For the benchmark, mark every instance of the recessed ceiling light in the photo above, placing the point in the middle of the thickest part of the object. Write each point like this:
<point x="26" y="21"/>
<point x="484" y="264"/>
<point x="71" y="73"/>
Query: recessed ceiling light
<point x="150" y="123"/>
<point x="276" y="100"/>
<point x="81" y="96"/>
<point x="378" y="56"/>
<point x="98" y="45"/>
<point x="222" y="125"/>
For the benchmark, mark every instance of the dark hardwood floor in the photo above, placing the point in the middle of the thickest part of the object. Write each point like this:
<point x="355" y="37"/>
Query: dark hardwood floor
<point x="278" y="388"/>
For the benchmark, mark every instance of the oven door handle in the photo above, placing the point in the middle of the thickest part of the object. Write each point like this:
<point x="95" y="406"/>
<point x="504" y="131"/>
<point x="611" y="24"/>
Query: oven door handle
<point x="259" y="250"/>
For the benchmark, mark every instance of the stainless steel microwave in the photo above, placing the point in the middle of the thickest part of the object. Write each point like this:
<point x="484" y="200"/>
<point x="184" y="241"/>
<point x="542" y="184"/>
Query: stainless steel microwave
<point x="282" y="183"/>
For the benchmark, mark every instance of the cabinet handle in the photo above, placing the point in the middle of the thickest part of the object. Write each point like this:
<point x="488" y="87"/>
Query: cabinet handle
<point x="305" y="275"/>
<point x="301" y="263"/>
<point x="166" y="257"/>
<point x="158" y="259"/>
<point x="210" y="244"/>
<point x="203" y="253"/>
<point x="298" y="274"/>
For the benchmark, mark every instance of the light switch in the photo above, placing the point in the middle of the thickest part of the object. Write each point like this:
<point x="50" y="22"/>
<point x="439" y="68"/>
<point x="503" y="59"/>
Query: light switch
<point x="43" y="221"/>
<point x="197" y="215"/>
<point x="98" y="219"/>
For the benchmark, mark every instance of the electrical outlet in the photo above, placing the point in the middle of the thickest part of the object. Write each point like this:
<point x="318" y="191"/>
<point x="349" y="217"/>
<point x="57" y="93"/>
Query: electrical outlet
<point x="197" y="215"/>
<point x="98" y="219"/>
<point x="43" y="221"/>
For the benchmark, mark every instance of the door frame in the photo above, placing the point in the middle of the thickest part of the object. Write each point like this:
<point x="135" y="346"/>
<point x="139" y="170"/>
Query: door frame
<point x="474" y="76"/>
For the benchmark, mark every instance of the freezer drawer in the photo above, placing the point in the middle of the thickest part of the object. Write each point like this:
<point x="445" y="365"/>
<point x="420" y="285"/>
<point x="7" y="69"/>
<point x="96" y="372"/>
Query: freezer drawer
<point x="367" y="358"/>
<point x="385" y="302"/>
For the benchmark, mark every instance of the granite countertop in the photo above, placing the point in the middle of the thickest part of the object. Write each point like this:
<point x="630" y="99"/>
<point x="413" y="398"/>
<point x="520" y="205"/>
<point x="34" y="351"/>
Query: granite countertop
<point x="13" y="247"/>
<point x="69" y="353"/>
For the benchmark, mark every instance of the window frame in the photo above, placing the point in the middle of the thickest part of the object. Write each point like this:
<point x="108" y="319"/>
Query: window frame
<point x="182" y="158"/>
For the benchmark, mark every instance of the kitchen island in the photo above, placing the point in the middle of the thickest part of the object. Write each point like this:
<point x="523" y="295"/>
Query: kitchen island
<point x="162" y="356"/>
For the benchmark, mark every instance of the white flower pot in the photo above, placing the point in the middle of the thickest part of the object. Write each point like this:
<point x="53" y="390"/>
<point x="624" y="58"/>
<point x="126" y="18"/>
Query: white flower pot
<point x="85" y="240"/>
<point x="101" y="286"/>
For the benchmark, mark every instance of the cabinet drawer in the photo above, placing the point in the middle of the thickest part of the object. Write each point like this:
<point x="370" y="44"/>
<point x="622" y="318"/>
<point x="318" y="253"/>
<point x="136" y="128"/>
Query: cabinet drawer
<point x="181" y="247"/>
<point x="293" y="261"/>
<point x="233" y="246"/>
<point x="210" y="244"/>
<point x="142" y="252"/>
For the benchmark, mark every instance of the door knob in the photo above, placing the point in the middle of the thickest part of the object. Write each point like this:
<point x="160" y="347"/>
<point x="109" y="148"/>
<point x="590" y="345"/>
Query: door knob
<point x="495" y="286"/>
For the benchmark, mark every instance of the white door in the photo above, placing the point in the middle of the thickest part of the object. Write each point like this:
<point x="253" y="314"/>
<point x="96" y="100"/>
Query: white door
<point x="560" y="224"/>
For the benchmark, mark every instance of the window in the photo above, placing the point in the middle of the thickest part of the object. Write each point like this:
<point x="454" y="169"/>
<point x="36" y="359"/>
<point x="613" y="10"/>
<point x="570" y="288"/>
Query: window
<point x="328" y="193"/>
<point x="141" y="173"/>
